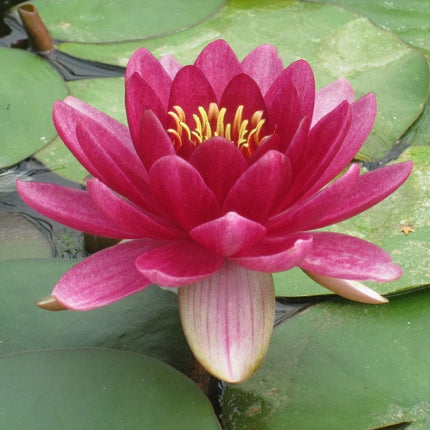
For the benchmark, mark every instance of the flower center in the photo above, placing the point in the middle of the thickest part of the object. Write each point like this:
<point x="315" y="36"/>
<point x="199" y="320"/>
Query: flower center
<point x="245" y="133"/>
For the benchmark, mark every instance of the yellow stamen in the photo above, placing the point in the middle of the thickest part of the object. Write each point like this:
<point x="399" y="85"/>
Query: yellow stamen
<point x="245" y="133"/>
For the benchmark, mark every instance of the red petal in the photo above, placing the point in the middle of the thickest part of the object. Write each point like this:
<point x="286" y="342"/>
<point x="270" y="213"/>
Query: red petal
<point x="275" y="256"/>
<point x="73" y="208"/>
<point x="178" y="263"/>
<point x="264" y="65"/>
<point x="129" y="217"/>
<point x="152" y="72"/>
<point x="103" y="278"/>
<point x="219" y="64"/>
<point x="341" y="256"/>
<point x="170" y="64"/>
<point x="261" y="187"/>
<point x="220" y="163"/>
<point x="229" y="234"/>
<point x="182" y="192"/>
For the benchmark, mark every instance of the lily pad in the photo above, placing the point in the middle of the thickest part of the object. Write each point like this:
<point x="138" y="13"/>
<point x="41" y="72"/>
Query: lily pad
<point x="399" y="224"/>
<point x="20" y="238"/>
<point x="98" y="389"/>
<point x="100" y="21"/>
<point x="106" y="94"/>
<point x="147" y="322"/>
<point x="339" y="366"/>
<point x="28" y="88"/>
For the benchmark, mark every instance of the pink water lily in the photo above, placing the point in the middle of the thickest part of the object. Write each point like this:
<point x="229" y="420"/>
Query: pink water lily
<point x="221" y="178"/>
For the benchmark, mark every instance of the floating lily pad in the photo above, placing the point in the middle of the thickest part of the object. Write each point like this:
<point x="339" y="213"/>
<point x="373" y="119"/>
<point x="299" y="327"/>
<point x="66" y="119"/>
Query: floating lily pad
<point x="339" y="366"/>
<point x="335" y="41"/>
<point x="98" y="389"/>
<point x="147" y="322"/>
<point x="106" y="94"/>
<point x="20" y="238"/>
<point x="399" y="224"/>
<point x="28" y="88"/>
<point x="100" y="21"/>
<point x="409" y="20"/>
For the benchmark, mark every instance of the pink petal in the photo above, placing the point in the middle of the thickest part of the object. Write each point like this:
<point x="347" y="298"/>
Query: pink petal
<point x="179" y="187"/>
<point x="283" y="113"/>
<point x="370" y="189"/>
<point x="152" y="142"/>
<point x="73" y="208"/>
<point x="363" y="114"/>
<point x="352" y="290"/>
<point x="242" y="90"/>
<point x="269" y="143"/>
<point x="84" y="109"/>
<point x="152" y="72"/>
<point x="307" y="215"/>
<point x="276" y="256"/>
<point x="340" y="256"/>
<point x="190" y="90"/>
<point x="120" y="167"/>
<point x="229" y="234"/>
<point x="139" y="97"/>
<point x="219" y="64"/>
<point x="103" y="278"/>
<point x="264" y="65"/>
<point x="296" y="148"/>
<point x="178" y="263"/>
<point x="170" y="64"/>
<point x="260" y="188"/>
<point x="220" y="164"/>
<point x="128" y="216"/>
<point x="327" y="98"/>
<point x="300" y="74"/>
<point x="228" y="320"/>
<point x="323" y="144"/>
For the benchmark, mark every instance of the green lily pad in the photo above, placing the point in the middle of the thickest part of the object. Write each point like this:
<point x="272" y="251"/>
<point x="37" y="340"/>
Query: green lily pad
<point x="335" y="41"/>
<point x="339" y="366"/>
<point x="409" y="20"/>
<point x="98" y="389"/>
<point x="100" y="21"/>
<point x="20" y="238"/>
<point x="106" y="94"/>
<point x="387" y="225"/>
<point x="28" y="88"/>
<point x="147" y="322"/>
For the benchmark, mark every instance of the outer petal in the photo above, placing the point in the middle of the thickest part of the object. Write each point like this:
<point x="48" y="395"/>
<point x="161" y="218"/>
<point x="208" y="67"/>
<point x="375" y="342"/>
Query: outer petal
<point x="228" y="320"/>
<point x="327" y="98"/>
<point x="229" y="234"/>
<point x="264" y="65"/>
<point x="371" y="188"/>
<point x="219" y="64"/>
<point x="220" y="163"/>
<point x="170" y="64"/>
<point x="259" y="190"/>
<point x="340" y="256"/>
<point x="352" y="290"/>
<point x="182" y="192"/>
<point x="178" y="263"/>
<point x="128" y="216"/>
<point x="276" y="256"/>
<point x="152" y="142"/>
<point x="307" y="215"/>
<point x="150" y="69"/>
<point x="73" y="208"/>
<point x="301" y="76"/>
<point x="103" y="278"/>
<point x="140" y="96"/>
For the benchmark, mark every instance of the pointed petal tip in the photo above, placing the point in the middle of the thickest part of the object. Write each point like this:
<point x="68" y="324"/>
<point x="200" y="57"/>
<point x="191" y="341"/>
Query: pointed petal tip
<point x="50" y="303"/>
<point x="352" y="290"/>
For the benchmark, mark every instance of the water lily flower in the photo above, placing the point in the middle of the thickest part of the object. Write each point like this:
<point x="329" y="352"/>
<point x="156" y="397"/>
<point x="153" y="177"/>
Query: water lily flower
<point x="226" y="170"/>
